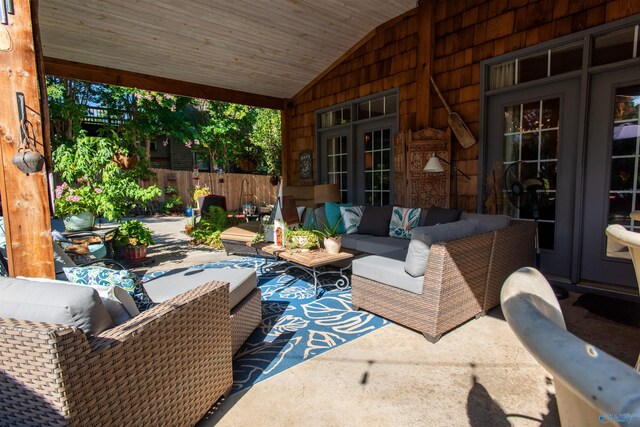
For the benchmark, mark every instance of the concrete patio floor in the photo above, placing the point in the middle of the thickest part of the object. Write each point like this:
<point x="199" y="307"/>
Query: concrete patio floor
<point x="478" y="374"/>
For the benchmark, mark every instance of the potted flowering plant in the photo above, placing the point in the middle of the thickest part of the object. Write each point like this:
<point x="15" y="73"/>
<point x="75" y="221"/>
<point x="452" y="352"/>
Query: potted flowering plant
<point x="134" y="237"/>
<point x="77" y="206"/>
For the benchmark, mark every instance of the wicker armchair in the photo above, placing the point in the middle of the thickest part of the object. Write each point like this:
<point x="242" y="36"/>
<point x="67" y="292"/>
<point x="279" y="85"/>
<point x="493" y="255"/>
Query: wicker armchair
<point x="462" y="280"/>
<point x="166" y="366"/>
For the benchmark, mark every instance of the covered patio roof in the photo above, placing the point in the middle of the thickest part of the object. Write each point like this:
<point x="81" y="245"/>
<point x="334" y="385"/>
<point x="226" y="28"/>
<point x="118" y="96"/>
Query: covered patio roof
<point x="267" y="48"/>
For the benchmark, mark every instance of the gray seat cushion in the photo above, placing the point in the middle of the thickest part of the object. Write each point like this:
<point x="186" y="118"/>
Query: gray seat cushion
<point x="485" y="223"/>
<point x="71" y="305"/>
<point x="241" y="282"/>
<point x="380" y="245"/>
<point x="423" y="237"/>
<point x="389" y="271"/>
<point x="349" y="241"/>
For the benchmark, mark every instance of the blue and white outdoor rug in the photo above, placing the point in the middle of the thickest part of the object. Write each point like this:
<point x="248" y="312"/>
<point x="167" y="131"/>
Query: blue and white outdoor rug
<point x="296" y="326"/>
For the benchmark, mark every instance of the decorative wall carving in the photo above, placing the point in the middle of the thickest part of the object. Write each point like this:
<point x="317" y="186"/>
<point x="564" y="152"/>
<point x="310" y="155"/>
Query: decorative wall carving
<point x="413" y="186"/>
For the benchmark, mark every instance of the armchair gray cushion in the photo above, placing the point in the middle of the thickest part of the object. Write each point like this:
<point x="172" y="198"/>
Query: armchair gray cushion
<point x="72" y="305"/>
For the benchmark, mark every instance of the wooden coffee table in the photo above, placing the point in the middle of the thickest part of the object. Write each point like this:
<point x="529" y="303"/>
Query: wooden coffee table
<point x="315" y="263"/>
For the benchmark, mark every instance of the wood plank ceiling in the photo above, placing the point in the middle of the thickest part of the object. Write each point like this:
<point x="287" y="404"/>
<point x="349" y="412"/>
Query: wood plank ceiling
<point x="266" y="47"/>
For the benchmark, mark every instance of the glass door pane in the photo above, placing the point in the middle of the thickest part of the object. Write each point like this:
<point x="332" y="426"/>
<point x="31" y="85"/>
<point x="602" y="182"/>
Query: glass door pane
<point x="337" y="170"/>
<point x="529" y="161"/>
<point x="377" y="166"/>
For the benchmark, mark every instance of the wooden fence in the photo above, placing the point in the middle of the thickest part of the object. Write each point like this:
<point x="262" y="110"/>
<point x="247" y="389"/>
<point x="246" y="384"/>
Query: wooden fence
<point x="237" y="188"/>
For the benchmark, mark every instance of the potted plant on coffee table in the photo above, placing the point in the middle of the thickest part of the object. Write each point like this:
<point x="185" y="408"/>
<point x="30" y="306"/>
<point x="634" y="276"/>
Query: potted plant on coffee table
<point x="134" y="237"/>
<point x="331" y="238"/>
<point x="301" y="239"/>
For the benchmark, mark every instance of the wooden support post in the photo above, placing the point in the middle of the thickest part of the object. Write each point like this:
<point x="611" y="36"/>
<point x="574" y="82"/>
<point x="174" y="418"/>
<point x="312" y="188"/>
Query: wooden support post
<point x="426" y="39"/>
<point x="285" y="122"/>
<point x="25" y="199"/>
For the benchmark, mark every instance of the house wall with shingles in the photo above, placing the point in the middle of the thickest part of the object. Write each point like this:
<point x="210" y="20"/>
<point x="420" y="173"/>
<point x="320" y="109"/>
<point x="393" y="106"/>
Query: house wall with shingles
<point x="466" y="33"/>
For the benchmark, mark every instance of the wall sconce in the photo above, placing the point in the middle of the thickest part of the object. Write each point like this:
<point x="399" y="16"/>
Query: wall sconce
<point x="434" y="166"/>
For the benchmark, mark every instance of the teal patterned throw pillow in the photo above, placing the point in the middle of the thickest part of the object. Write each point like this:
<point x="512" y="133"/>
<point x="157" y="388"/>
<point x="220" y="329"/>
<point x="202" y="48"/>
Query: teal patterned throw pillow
<point x="351" y="215"/>
<point x="403" y="220"/>
<point x="102" y="276"/>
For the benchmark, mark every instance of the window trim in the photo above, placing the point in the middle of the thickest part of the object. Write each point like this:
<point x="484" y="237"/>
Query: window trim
<point x="586" y="37"/>
<point x="351" y="130"/>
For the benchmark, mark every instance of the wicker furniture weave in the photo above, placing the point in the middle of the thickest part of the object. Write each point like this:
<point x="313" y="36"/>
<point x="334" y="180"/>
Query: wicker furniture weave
<point x="462" y="279"/>
<point x="246" y="316"/>
<point x="167" y="366"/>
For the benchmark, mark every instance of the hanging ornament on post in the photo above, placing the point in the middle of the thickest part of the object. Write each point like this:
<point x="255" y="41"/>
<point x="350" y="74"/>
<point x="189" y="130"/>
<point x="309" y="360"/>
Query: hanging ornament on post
<point x="196" y="173"/>
<point x="27" y="159"/>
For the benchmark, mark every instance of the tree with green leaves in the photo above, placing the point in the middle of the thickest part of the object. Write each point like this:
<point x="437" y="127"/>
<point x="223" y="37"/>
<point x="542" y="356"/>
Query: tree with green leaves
<point x="68" y="101"/>
<point x="267" y="135"/>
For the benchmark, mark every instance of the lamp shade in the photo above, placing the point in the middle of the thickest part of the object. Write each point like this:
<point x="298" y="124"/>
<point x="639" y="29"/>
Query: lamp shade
<point x="324" y="193"/>
<point x="433" y="165"/>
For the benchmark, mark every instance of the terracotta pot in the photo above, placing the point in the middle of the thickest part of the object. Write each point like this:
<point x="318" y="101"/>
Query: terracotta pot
<point x="126" y="162"/>
<point x="135" y="253"/>
<point x="333" y="244"/>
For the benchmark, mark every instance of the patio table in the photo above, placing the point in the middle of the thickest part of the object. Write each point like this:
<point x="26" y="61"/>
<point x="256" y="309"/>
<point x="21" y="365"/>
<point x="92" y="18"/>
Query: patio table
<point x="104" y="232"/>
<point x="315" y="263"/>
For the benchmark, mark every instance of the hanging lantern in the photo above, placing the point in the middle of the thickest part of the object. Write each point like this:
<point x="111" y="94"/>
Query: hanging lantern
<point x="196" y="173"/>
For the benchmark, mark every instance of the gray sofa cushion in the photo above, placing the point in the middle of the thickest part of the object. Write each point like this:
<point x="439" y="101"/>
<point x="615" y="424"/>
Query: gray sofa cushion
<point x="388" y="271"/>
<point x="380" y="245"/>
<point x="320" y="217"/>
<point x="375" y="220"/>
<point x="423" y="237"/>
<point x="437" y="215"/>
<point x="349" y="241"/>
<point x="241" y="282"/>
<point x="485" y="223"/>
<point x="119" y="304"/>
<point x="72" y="305"/>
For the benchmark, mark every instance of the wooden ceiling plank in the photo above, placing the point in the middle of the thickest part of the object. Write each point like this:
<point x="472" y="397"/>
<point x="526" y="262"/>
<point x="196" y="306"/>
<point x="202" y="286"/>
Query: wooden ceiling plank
<point x="273" y="47"/>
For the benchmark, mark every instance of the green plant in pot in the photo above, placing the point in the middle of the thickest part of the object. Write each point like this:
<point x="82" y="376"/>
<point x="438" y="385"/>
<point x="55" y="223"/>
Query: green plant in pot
<point x="134" y="237"/>
<point x="301" y="239"/>
<point x="331" y="238"/>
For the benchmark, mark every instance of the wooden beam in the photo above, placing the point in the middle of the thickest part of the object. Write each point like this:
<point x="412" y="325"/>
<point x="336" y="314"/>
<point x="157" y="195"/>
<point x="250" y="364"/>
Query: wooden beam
<point x="426" y="39"/>
<point x="25" y="198"/>
<point x="97" y="74"/>
<point x="285" y="123"/>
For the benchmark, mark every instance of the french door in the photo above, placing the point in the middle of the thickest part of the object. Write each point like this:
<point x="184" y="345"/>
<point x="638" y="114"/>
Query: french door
<point x="533" y="134"/>
<point x="612" y="178"/>
<point x="335" y="156"/>
<point x="374" y="160"/>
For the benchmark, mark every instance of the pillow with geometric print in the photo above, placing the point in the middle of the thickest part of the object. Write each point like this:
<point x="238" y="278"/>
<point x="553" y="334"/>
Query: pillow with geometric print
<point x="351" y="215"/>
<point x="403" y="220"/>
<point x="102" y="276"/>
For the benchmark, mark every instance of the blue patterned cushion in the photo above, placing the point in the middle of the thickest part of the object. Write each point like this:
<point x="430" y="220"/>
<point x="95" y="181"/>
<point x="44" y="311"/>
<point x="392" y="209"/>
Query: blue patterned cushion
<point x="332" y="210"/>
<point x="102" y="276"/>
<point x="351" y="217"/>
<point x="403" y="220"/>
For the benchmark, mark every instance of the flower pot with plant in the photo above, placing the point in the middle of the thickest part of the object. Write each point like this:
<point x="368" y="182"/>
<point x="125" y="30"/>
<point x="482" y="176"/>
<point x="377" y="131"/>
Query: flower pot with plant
<point x="301" y="239"/>
<point x="134" y="237"/>
<point x="77" y="205"/>
<point x="331" y="238"/>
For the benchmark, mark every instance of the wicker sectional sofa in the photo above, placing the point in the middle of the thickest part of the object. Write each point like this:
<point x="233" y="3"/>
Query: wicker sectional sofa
<point x="462" y="278"/>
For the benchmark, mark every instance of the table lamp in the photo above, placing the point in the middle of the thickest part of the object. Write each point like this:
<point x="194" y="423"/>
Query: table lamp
<point x="324" y="193"/>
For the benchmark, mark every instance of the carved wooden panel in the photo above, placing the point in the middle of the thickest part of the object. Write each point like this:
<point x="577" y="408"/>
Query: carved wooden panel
<point x="414" y="187"/>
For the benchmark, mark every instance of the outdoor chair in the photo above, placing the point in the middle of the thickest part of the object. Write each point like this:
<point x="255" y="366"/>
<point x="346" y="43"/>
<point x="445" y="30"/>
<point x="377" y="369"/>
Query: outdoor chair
<point x="629" y="239"/>
<point x="592" y="387"/>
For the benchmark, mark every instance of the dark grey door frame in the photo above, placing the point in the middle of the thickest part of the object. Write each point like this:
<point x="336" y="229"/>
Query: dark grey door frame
<point x="557" y="263"/>
<point x="595" y="265"/>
